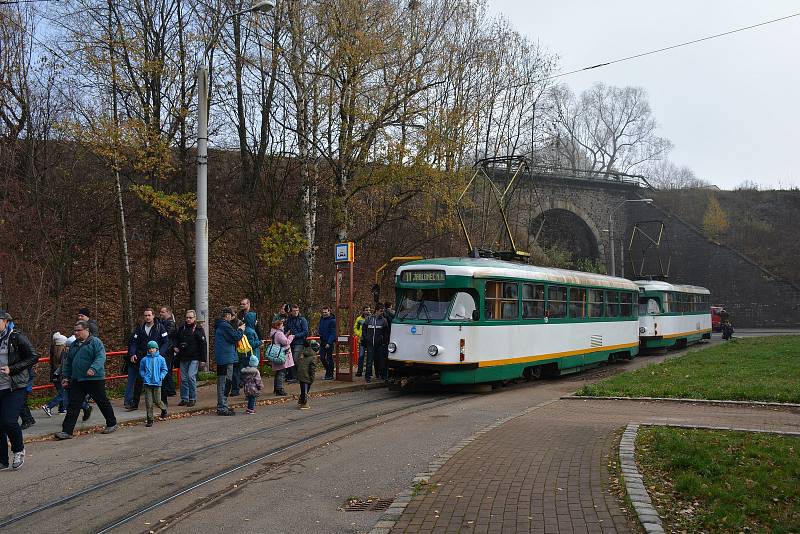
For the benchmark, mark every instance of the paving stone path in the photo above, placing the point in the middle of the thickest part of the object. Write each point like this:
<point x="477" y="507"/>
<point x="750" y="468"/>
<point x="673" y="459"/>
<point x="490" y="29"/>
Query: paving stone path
<point x="547" y="471"/>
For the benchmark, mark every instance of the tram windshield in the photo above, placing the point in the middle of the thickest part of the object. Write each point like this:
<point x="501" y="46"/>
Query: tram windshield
<point x="425" y="304"/>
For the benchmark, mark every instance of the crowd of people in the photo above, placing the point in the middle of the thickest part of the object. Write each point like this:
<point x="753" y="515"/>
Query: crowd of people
<point x="158" y="345"/>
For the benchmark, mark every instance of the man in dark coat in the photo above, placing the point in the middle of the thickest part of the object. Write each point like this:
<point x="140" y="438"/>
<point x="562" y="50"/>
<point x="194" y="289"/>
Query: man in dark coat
<point x="373" y="338"/>
<point x="167" y="320"/>
<point x="327" y="341"/>
<point x="17" y="356"/>
<point x="296" y="325"/>
<point x="149" y="330"/>
<point x="190" y="350"/>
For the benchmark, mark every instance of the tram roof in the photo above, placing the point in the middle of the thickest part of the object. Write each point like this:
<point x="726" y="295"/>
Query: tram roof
<point x="657" y="285"/>
<point x="491" y="268"/>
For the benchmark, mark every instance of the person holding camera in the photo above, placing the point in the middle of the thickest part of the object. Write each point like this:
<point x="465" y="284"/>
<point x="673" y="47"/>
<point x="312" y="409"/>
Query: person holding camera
<point x="190" y="349"/>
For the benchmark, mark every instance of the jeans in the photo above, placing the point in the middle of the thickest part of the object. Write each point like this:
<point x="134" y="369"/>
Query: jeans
<point x="189" y="380"/>
<point x="326" y="357"/>
<point x="236" y="378"/>
<point x="133" y="387"/>
<point x="361" y="351"/>
<point x="372" y="357"/>
<point x="96" y="389"/>
<point x="304" y="389"/>
<point x="152" y="395"/>
<point x="224" y="377"/>
<point x="11" y="402"/>
<point x="251" y="402"/>
<point x="60" y="398"/>
<point x="279" y="380"/>
<point x="297" y="351"/>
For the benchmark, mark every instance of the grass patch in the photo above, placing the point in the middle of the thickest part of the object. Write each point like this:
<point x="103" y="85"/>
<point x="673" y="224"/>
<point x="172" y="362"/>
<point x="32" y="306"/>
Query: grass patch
<point x="751" y="369"/>
<point x="721" y="481"/>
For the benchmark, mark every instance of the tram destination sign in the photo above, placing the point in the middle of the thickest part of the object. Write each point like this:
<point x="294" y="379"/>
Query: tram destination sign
<point x="422" y="277"/>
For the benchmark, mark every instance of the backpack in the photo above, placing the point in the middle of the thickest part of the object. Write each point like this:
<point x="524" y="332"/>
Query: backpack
<point x="243" y="346"/>
<point x="275" y="353"/>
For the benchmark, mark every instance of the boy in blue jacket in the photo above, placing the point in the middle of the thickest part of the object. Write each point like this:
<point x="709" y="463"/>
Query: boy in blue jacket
<point x="153" y="369"/>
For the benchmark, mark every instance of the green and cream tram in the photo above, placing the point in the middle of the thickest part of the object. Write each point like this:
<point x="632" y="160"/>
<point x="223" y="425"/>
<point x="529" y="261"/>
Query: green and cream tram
<point x="672" y="315"/>
<point x="473" y="320"/>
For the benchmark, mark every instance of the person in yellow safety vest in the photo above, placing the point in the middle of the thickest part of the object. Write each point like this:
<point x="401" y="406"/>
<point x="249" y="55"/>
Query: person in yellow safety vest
<point x="357" y="326"/>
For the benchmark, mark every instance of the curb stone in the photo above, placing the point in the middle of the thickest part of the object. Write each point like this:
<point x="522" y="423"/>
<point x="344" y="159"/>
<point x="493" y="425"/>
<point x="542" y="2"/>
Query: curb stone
<point x="754" y="404"/>
<point x="634" y="486"/>
<point x="390" y="517"/>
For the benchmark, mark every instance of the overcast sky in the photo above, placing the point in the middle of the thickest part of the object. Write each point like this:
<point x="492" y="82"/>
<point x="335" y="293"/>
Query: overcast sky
<point x="731" y="106"/>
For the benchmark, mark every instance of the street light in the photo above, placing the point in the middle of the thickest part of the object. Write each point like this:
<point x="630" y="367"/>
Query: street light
<point x="201" y="222"/>
<point x="611" y="229"/>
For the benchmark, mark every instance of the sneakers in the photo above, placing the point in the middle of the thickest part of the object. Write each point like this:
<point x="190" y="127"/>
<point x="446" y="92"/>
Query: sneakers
<point x="191" y="403"/>
<point x="131" y="408"/>
<point x="149" y="422"/>
<point x="109" y="429"/>
<point x="327" y="378"/>
<point x="3" y="467"/>
<point x="46" y="409"/>
<point x="227" y="412"/>
<point x="368" y="380"/>
<point x="163" y="414"/>
<point x="305" y="406"/>
<point x="19" y="459"/>
<point x="183" y="403"/>
<point x="63" y="435"/>
<point x="87" y="413"/>
<point x="280" y="393"/>
<point x="250" y="412"/>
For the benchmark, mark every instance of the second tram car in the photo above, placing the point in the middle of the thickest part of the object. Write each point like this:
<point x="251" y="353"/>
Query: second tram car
<point x="672" y="315"/>
<point x="473" y="320"/>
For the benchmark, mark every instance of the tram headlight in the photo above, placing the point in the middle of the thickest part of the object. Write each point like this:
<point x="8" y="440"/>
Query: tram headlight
<point x="433" y="350"/>
<point x="392" y="347"/>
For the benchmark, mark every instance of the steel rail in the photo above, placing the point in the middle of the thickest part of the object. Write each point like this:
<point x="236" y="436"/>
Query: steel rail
<point x="142" y="470"/>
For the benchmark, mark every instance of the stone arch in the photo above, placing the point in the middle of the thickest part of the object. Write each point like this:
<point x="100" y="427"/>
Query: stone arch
<point x="578" y="214"/>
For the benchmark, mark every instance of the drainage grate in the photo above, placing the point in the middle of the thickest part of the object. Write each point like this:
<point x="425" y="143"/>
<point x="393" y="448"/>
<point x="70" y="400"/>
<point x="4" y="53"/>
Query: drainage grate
<point x="370" y="504"/>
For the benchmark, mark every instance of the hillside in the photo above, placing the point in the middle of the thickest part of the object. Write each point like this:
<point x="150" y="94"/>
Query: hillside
<point x="762" y="225"/>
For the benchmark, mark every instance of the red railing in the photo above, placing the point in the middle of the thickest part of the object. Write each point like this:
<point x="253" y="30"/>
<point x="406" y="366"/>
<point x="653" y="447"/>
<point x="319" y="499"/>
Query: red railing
<point x="112" y="377"/>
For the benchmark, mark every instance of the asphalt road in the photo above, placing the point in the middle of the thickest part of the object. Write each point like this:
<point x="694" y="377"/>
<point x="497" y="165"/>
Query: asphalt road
<point x="281" y="470"/>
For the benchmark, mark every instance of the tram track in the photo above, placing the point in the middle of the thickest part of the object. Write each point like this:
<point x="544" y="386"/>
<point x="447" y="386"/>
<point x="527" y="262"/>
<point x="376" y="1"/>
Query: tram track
<point x="113" y="493"/>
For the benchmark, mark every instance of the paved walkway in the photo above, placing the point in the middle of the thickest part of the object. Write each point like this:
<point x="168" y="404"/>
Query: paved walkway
<point x="547" y="471"/>
<point x="206" y="400"/>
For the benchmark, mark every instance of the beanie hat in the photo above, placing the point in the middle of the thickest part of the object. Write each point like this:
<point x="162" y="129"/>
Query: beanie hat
<point x="85" y="311"/>
<point x="152" y="345"/>
<point x="5" y="315"/>
<point x="229" y="310"/>
<point x="59" y="339"/>
<point x="70" y="340"/>
<point x="253" y="361"/>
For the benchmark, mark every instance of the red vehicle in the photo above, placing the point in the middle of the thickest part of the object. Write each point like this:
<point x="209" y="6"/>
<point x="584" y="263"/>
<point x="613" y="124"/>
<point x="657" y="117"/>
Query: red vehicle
<point x="716" y="322"/>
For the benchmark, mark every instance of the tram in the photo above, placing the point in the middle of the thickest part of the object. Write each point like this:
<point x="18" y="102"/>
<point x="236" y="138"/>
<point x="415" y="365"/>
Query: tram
<point x="672" y="315"/>
<point x="474" y="320"/>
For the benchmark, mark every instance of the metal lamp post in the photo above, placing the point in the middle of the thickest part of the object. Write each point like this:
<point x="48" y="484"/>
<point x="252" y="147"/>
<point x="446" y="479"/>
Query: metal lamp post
<point x="611" y="229"/>
<point x="201" y="222"/>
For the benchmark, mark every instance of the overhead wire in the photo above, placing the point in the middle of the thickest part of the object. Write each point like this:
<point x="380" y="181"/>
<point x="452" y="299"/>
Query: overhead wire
<point x="672" y="47"/>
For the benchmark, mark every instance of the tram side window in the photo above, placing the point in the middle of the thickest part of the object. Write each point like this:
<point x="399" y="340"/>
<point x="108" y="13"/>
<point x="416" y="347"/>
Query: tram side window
<point x="501" y="300"/>
<point x="612" y="305"/>
<point x="626" y="304"/>
<point x="532" y="301"/>
<point x="669" y="303"/>
<point x="556" y="302"/>
<point x="577" y="302"/>
<point x="596" y="302"/>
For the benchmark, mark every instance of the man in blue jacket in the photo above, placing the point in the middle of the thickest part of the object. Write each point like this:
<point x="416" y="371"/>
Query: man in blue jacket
<point x="298" y="325"/>
<point x="327" y="341"/>
<point x="149" y="330"/>
<point x="83" y="371"/>
<point x="225" y="339"/>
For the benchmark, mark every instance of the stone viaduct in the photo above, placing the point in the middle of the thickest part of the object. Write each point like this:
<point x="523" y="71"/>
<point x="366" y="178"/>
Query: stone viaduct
<point x="576" y="213"/>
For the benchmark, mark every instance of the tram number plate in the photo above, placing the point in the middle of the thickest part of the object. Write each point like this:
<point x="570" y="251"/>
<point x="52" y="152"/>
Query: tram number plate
<point x="416" y="330"/>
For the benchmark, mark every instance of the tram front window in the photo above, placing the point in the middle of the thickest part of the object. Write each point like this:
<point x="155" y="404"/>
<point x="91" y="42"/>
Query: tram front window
<point x="649" y="306"/>
<point x="425" y="304"/>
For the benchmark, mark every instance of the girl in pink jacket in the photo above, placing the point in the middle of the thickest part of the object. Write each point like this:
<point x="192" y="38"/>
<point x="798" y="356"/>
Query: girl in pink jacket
<point x="277" y="336"/>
